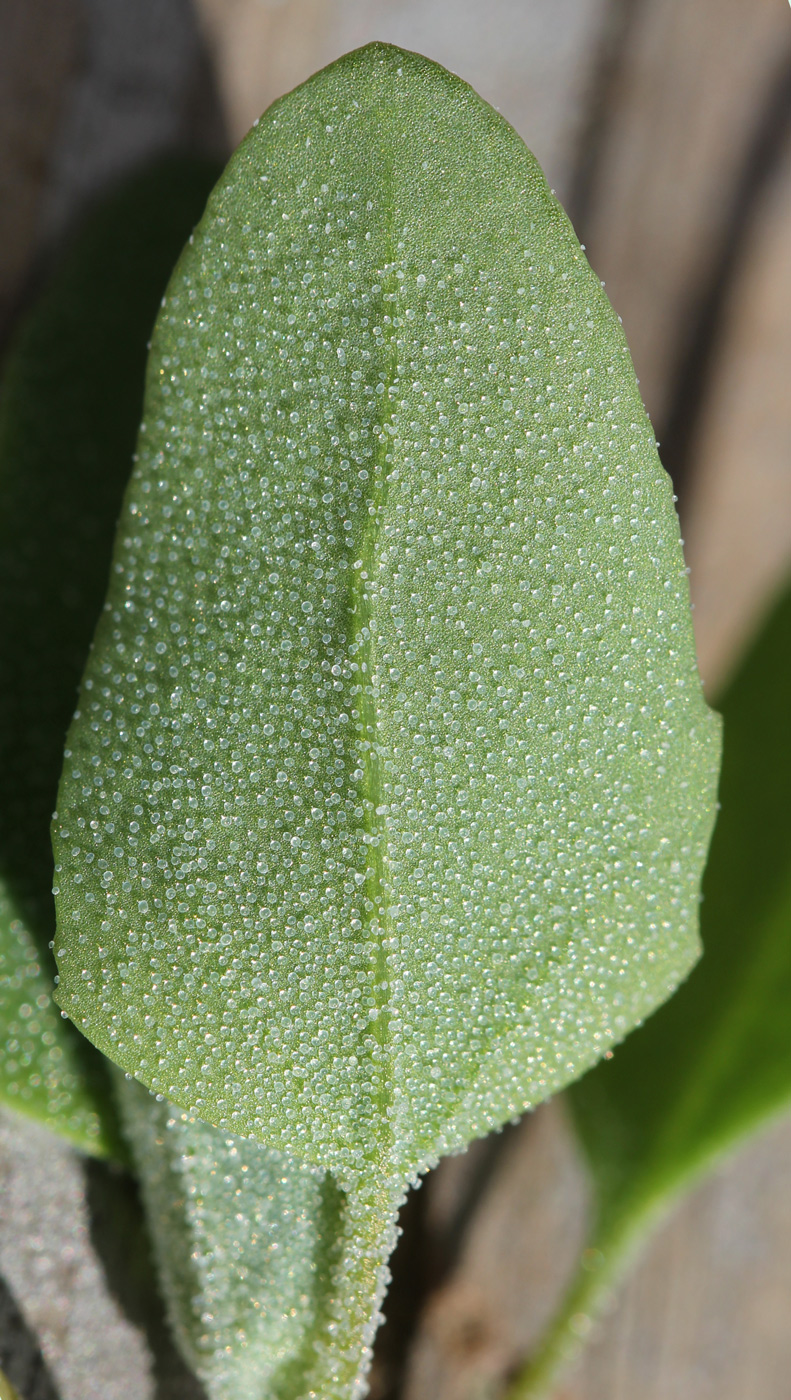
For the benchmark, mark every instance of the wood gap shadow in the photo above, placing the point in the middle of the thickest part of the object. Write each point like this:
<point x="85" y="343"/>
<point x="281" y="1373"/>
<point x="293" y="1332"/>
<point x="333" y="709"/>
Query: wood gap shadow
<point x="425" y="1258"/>
<point x="691" y="379"/>
<point x="616" y="31"/>
<point x="21" y="1356"/>
<point x="120" y="1239"/>
<point x="691" y="375"/>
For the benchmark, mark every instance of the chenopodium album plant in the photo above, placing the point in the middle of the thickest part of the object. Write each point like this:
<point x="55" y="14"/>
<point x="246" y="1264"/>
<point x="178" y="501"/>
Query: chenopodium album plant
<point x="384" y="811"/>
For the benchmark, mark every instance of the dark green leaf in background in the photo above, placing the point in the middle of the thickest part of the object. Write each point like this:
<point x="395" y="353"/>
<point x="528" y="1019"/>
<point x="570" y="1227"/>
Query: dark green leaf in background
<point x="386" y="806"/>
<point x="69" y="408"/>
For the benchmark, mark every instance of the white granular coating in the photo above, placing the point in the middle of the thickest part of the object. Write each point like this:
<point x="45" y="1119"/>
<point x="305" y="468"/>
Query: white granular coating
<point x="272" y="1275"/>
<point x="386" y="804"/>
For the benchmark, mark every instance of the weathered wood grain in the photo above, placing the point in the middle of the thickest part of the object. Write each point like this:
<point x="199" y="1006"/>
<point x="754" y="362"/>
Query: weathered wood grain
<point x="54" y="1282"/>
<point x="688" y="97"/>
<point x="532" y="60"/>
<point x="142" y="85"/>
<point x="705" y="1313"/>
<point x="738" y="512"/>
<point x="519" y="1251"/>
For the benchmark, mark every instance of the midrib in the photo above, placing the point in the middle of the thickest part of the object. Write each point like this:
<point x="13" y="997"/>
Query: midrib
<point x="376" y="924"/>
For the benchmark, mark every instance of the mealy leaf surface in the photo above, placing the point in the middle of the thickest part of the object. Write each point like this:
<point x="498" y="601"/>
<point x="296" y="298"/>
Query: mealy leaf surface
<point x="386" y="803"/>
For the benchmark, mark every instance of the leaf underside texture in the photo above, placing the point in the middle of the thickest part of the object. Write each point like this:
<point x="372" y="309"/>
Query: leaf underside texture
<point x="386" y="803"/>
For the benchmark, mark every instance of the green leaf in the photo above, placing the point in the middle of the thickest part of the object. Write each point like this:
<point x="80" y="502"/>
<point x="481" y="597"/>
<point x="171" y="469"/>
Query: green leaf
<point x="7" y="1390"/>
<point x="268" y="1290"/>
<point x="715" y="1062"/>
<point x="69" y="408"/>
<point x="385" y="807"/>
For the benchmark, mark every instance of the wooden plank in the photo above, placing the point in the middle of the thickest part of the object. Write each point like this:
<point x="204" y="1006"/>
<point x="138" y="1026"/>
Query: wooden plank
<point x="688" y="96"/>
<point x="533" y="61"/>
<point x="143" y="86"/>
<point x="520" y="1249"/>
<point x="701" y="1315"/>
<point x="31" y="100"/>
<point x="704" y="1315"/>
<point x="49" y="1265"/>
<point x="738" y="517"/>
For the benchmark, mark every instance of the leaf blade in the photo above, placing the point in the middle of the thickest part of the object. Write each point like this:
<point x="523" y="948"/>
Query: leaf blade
<point x="505" y="503"/>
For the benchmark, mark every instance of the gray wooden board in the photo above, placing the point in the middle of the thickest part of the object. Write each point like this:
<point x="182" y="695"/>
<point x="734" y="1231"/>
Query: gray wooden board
<point x="55" y="1280"/>
<point x="705" y="1313"/>
<point x="684" y="107"/>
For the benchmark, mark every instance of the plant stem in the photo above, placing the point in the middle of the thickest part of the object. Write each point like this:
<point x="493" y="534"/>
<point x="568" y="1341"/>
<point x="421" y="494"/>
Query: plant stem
<point x="358" y="1281"/>
<point x="601" y="1264"/>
